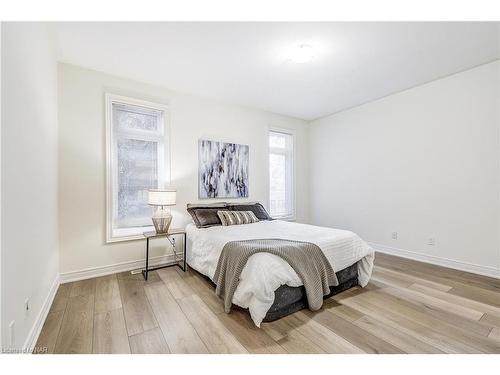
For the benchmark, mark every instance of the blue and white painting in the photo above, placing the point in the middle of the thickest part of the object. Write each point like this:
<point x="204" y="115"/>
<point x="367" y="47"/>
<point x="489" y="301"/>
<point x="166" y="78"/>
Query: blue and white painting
<point x="223" y="170"/>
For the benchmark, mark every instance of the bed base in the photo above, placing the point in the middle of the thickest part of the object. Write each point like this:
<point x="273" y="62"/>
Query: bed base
<point x="288" y="299"/>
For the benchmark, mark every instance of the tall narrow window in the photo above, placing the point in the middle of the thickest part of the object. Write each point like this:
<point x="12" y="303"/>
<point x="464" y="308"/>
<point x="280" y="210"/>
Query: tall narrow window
<point x="281" y="180"/>
<point x="137" y="150"/>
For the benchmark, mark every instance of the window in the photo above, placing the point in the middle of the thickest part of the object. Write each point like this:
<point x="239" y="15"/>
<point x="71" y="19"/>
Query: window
<point x="137" y="161"/>
<point x="281" y="180"/>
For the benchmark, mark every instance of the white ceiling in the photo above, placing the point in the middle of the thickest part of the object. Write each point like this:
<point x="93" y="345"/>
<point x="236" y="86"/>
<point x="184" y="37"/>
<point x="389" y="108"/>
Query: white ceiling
<point x="246" y="63"/>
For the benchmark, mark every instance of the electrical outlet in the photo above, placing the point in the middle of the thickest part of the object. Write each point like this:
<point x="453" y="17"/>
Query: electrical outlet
<point x="431" y="241"/>
<point x="12" y="337"/>
<point x="27" y="304"/>
<point x="394" y="235"/>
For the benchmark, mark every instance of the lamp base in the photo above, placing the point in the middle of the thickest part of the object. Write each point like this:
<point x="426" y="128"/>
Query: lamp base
<point x="161" y="220"/>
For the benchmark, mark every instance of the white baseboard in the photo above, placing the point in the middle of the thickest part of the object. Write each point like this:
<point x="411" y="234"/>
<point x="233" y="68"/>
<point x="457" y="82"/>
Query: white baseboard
<point x="89" y="273"/>
<point x="32" y="338"/>
<point x="440" y="261"/>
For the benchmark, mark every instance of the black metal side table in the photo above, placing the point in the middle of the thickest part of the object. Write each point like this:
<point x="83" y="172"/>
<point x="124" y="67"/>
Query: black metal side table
<point x="171" y="239"/>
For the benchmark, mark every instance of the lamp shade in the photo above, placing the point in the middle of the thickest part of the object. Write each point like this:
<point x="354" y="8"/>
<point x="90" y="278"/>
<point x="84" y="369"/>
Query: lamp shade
<point x="162" y="197"/>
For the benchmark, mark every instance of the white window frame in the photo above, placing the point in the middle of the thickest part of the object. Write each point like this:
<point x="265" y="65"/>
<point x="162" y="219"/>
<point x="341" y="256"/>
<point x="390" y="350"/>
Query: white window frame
<point x="127" y="234"/>
<point x="273" y="129"/>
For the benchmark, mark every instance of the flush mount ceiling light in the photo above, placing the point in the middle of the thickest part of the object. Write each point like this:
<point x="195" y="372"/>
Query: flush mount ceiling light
<point x="301" y="53"/>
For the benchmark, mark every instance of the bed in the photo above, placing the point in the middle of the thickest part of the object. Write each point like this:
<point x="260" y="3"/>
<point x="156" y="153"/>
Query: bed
<point x="268" y="287"/>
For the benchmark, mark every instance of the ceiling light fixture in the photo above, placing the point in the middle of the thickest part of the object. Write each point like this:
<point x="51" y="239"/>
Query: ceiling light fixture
<point x="301" y="53"/>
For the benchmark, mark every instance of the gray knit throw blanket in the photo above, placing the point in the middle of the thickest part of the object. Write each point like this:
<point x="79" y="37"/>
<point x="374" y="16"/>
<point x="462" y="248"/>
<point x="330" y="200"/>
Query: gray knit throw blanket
<point x="306" y="259"/>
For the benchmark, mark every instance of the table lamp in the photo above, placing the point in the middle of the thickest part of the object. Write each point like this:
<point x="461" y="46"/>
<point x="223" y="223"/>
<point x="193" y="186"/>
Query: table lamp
<point x="162" y="198"/>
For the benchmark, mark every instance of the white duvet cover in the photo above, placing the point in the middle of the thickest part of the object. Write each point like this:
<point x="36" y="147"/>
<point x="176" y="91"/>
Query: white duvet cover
<point x="264" y="272"/>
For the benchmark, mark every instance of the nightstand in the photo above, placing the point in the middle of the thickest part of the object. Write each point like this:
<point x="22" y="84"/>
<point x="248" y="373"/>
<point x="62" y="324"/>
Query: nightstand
<point x="170" y="236"/>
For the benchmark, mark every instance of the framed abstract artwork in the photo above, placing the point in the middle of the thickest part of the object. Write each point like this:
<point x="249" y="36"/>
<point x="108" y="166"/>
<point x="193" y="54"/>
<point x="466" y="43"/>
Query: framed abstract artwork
<point x="223" y="170"/>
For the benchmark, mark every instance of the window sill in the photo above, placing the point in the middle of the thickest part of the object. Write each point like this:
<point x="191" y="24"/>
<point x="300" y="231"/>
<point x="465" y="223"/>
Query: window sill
<point x="128" y="234"/>
<point x="284" y="218"/>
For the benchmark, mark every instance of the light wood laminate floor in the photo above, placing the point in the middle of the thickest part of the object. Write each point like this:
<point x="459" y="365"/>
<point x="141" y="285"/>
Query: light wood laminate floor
<point x="408" y="307"/>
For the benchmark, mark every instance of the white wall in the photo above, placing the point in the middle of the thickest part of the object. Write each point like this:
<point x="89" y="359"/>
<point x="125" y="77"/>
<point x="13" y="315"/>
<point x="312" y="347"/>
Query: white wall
<point x="29" y="176"/>
<point x="423" y="163"/>
<point x="82" y="158"/>
<point x="0" y="188"/>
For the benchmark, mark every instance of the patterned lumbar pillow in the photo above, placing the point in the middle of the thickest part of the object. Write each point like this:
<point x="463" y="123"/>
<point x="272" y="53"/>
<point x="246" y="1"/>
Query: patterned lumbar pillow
<point x="237" y="217"/>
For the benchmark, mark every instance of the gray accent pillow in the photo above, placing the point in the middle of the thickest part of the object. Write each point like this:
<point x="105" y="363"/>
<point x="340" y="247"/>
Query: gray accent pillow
<point x="205" y="215"/>
<point x="257" y="208"/>
<point x="236" y="217"/>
